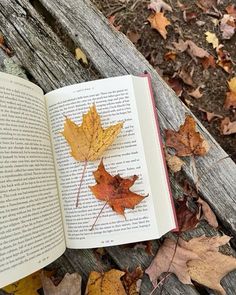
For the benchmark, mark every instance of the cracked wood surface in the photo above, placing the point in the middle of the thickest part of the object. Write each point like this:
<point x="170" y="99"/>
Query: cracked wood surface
<point x="42" y="54"/>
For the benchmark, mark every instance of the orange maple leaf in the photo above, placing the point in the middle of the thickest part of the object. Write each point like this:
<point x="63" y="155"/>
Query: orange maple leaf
<point x="114" y="190"/>
<point x="159" y="22"/>
<point x="187" y="141"/>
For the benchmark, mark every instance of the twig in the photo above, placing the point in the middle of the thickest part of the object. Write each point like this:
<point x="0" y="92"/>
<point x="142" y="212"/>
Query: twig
<point x="80" y="184"/>
<point x="98" y="216"/>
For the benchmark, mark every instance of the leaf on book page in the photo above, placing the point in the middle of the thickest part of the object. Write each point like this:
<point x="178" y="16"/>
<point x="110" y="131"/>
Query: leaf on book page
<point x="107" y="283"/>
<point x="89" y="140"/>
<point x="70" y="285"/>
<point x="28" y="285"/>
<point x="187" y="141"/>
<point x="114" y="190"/>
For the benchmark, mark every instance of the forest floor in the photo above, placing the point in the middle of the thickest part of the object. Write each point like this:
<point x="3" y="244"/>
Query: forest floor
<point x="184" y="72"/>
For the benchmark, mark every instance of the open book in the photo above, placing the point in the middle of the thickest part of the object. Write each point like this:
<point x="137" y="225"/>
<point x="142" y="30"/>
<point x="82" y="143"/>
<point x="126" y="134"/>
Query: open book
<point x="39" y="179"/>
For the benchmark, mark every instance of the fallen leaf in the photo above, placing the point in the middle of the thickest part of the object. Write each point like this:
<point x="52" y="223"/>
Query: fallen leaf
<point x="196" y="93"/>
<point x="89" y="140"/>
<point x="170" y="55"/>
<point x="197" y="260"/>
<point x="133" y="36"/>
<point x="231" y="10"/>
<point x="159" y="22"/>
<point x="187" y="141"/>
<point x="111" y="20"/>
<point x="107" y="283"/>
<point x="115" y="190"/>
<point x="227" y="26"/>
<point x="176" y="84"/>
<point x="207" y="213"/>
<point x="159" y="5"/>
<point x="174" y="163"/>
<point x="210" y="116"/>
<point x="27" y="286"/>
<point x="4" y="47"/>
<point x="185" y="76"/>
<point x="227" y="127"/>
<point x="212" y="39"/>
<point x="224" y="59"/>
<point x="189" y="15"/>
<point x="161" y="262"/>
<point x="212" y="265"/>
<point x="70" y="285"/>
<point x="208" y="62"/>
<point x="192" y="49"/>
<point x="187" y="218"/>
<point x="206" y="4"/>
<point x="132" y="281"/>
<point x="230" y="100"/>
<point x="79" y="55"/>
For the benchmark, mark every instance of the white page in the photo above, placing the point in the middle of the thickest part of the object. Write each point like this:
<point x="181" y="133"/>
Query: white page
<point x="31" y="233"/>
<point x="115" y="101"/>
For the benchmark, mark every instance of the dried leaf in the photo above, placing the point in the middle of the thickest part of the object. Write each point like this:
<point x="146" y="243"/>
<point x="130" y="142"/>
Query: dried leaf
<point x="212" y="265"/>
<point x="211" y="38"/>
<point x="133" y="36"/>
<point x="159" y="5"/>
<point x="230" y="100"/>
<point x="70" y="285"/>
<point x="189" y="15"/>
<point x="227" y="26"/>
<point x="207" y="213"/>
<point x="107" y="283"/>
<point x="89" y="140"/>
<point x="132" y="281"/>
<point x="196" y="93"/>
<point x="192" y="49"/>
<point x="111" y="20"/>
<point x="210" y="116"/>
<point x="227" y="127"/>
<point x="115" y="190"/>
<point x="187" y="141"/>
<point x="208" y="62"/>
<point x="231" y="10"/>
<point x="159" y="22"/>
<point x="176" y="84"/>
<point x="79" y="55"/>
<point x="26" y="286"/>
<point x="161" y="263"/>
<point x="206" y="4"/>
<point x="232" y="85"/>
<point x="174" y="163"/>
<point x="185" y="76"/>
<point x="170" y="55"/>
<point x="224" y="59"/>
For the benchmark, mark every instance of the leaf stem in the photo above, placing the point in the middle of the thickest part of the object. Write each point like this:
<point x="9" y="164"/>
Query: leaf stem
<point x="98" y="216"/>
<point x="80" y="184"/>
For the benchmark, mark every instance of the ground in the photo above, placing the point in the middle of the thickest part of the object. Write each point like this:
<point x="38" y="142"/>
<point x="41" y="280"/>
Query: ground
<point x="130" y="18"/>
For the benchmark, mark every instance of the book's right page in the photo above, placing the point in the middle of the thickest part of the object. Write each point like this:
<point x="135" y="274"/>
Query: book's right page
<point x="115" y="102"/>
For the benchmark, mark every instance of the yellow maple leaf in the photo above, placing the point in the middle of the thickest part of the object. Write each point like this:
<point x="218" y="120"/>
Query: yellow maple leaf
<point x="107" y="283"/>
<point x="89" y="140"/>
<point x="28" y="285"/>
<point x="232" y="85"/>
<point x="211" y="38"/>
<point x="159" y="22"/>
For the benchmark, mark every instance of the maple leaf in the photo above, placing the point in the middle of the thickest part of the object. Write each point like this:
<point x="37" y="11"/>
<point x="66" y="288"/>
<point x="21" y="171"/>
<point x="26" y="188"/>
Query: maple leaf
<point x="114" y="190"/>
<point x="159" y="22"/>
<point x="105" y="283"/>
<point x="230" y="100"/>
<point x="28" y="285"/>
<point x="89" y="140"/>
<point x="132" y="281"/>
<point x="187" y="141"/>
<point x="70" y="285"/>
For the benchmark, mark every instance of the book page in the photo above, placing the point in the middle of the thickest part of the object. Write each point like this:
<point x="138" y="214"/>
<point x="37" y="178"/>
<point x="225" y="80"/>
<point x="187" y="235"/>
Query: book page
<point x="31" y="232"/>
<point x="115" y="102"/>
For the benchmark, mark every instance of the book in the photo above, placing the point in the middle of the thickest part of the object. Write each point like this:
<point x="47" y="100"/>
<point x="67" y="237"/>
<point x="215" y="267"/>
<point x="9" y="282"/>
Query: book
<point x="39" y="179"/>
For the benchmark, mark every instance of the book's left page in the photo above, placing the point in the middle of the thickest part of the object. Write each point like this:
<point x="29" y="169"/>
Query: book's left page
<point x="31" y="232"/>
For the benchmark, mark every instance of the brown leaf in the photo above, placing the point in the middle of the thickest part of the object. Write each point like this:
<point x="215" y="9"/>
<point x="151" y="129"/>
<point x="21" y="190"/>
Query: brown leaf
<point x="212" y="265"/>
<point x="159" y="22"/>
<point x="174" y="163"/>
<point x="208" y="62"/>
<point x="196" y="93"/>
<point x="210" y="116"/>
<point x="185" y="76"/>
<point x="230" y="100"/>
<point x="115" y="190"/>
<point x="227" y="127"/>
<point x="70" y="285"/>
<point x="133" y="36"/>
<point x="159" y="5"/>
<point x="189" y="15"/>
<point x="207" y="213"/>
<point x="107" y="283"/>
<point x="224" y="59"/>
<point x="132" y="281"/>
<point x="187" y="219"/>
<point x="227" y="26"/>
<point x="192" y="49"/>
<point x="206" y="4"/>
<point x="231" y="10"/>
<point x="176" y="84"/>
<point x="161" y="262"/>
<point x="170" y="55"/>
<point x="111" y="20"/>
<point x="187" y="141"/>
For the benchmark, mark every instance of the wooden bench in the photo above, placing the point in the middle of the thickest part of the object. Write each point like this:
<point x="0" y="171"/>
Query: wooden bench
<point x="31" y="30"/>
